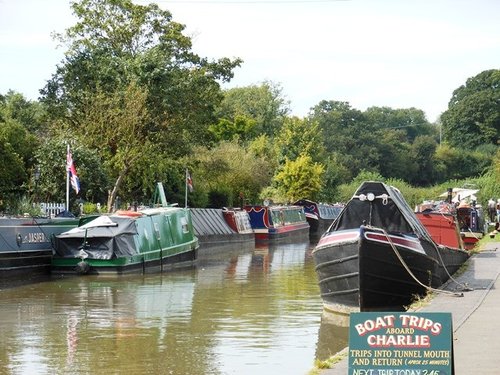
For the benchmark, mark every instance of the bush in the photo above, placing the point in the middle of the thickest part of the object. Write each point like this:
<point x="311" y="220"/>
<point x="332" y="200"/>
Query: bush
<point x="220" y="198"/>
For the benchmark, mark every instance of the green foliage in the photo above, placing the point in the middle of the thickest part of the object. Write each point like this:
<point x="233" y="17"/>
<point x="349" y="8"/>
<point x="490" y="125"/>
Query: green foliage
<point x="264" y="147"/>
<point x="17" y="145"/>
<point x="90" y="208"/>
<point x="242" y="128"/>
<point x="335" y="175"/>
<point x="299" y="178"/>
<point x="231" y="167"/>
<point x="140" y="106"/>
<point x="299" y="137"/>
<point x="423" y="150"/>
<point x="488" y="183"/>
<point x="25" y="206"/>
<point x="51" y="157"/>
<point x="339" y="123"/>
<point x="410" y="121"/>
<point x="347" y="133"/>
<point x="221" y="198"/>
<point x="456" y="164"/>
<point x="394" y="161"/>
<point x="12" y="168"/>
<point x="473" y="115"/>
<point x="30" y="114"/>
<point x="264" y="104"/>
<point x="131" y="87"/>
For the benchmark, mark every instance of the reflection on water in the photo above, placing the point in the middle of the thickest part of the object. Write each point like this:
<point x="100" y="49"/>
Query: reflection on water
<point x="245" y="311"/>
<point x="333" y="334"/>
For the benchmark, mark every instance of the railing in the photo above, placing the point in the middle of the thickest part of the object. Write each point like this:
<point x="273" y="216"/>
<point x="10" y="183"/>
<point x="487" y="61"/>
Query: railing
<point x="52" y="209"/>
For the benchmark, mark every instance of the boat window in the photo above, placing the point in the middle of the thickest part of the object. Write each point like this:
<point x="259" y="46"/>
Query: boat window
<point x="184" y="223"/>
<point x="157" y="230"/>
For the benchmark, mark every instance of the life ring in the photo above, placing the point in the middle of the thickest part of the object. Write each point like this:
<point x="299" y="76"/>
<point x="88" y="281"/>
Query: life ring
<point x="128" y="213"/>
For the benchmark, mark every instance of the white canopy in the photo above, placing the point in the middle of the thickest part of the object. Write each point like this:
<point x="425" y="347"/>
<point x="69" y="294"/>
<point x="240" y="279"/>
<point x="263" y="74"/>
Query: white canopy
<point x="460" y="194"/>
<point x="100" y="221"/>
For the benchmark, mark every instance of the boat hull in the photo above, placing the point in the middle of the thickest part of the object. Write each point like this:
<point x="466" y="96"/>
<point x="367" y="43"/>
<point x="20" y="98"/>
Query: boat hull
<point x="278" y="223"/>
<point x="442" y="227"/>
<point x="152" y="262"/>
<point x="281" y="234"/>
<point x="470" y="239"/>
<point x="319" y="216"/>
<point x="26" y="245"/>
<point x="148" y="241"/>
<point x="337" y="267"/>
<point x="361" y="270"/>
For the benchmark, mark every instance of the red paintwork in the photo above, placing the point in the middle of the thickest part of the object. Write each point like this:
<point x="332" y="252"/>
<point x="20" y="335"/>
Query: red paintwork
<point x="396" y="240"/>
<point x="442" y="227"/>
<point x="334" y="237"/>
<point x="230" y="219"/>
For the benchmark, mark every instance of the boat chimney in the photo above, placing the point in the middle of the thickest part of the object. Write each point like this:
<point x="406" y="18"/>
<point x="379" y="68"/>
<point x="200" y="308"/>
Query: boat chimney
<point x="450" y="193"/>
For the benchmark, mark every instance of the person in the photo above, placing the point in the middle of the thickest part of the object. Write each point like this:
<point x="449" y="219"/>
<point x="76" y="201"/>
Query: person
<point x="492" y="212"/>
<point x="498" y="210"/>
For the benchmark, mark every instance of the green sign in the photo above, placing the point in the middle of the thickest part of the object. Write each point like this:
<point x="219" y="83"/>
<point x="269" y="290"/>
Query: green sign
<point x="387" y="343"/>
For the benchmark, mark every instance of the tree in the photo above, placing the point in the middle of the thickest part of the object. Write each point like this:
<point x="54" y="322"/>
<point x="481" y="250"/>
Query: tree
<point x="231" y="168"/>
<point x="264" y="103"/>
<point x="12" y="175"/>
<point x="338" y="121"/>
<point x="411" y="121"/>
<point x="347" y="134"/>
<point x="423" y="150"/>
<point x="300" y="178"/>
<point x="455" y="164"/>
<point x="17" y="145"/>
<point x="51" y="161"/>
<point x="335" y="175"/>
<point x="473" y="114"/>
<point x="300" y="137"/>
<point x="129" y="67"/>
<point x="114" y="125"/>
<point x="395" y="161"/>
<point x="30" y="114"/>
<point x="242" y="128"/>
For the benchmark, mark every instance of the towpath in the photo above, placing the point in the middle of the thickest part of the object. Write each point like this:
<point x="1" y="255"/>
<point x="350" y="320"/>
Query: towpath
<point x="476" y="316"/>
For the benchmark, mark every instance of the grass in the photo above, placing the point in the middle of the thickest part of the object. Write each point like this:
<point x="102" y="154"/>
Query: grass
<point x="486" y="240"/>
<point x="328" y="363"/>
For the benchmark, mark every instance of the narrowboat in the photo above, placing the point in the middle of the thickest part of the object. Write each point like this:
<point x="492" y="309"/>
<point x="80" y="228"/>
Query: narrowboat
<point x="26" y="244"/>
<point x="469" y="214"/>
<point x="377" y="255"/>
<point x="218" y="228"/>
<point x="471" y="221"/>
<point x="149" y="240"/>
<point x="277" y="222"/>
<point x="237" y="219"/>
<point x="319" y="215"/>
<point x="440" y="220"/>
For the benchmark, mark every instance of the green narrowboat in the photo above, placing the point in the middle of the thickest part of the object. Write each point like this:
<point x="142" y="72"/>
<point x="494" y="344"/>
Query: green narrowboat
<point x="144" y="241"/>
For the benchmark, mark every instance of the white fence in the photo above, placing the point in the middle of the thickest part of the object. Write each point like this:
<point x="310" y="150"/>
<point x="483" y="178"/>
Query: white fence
<point x="52" y="209"/>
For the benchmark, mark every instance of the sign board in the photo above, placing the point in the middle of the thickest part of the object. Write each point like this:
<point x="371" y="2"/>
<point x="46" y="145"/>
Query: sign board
<point x="394" y="343"/>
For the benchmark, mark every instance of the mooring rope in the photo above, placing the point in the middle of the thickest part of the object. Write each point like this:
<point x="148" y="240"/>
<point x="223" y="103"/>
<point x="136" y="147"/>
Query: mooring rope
<point x="429" y="288"/>
<point x="465" y="287"/>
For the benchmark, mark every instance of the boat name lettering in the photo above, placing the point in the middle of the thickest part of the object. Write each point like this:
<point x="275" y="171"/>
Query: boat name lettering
<point x="36" y="237"/>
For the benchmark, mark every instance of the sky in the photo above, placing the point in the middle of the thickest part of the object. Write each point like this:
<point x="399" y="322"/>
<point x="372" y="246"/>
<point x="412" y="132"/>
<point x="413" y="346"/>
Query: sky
<point x="393" y="53"/>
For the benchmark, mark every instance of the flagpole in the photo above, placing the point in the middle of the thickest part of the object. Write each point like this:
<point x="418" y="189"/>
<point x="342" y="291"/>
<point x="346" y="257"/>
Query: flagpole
<point x="67" y="178"/>
<point x="186" y="189"/>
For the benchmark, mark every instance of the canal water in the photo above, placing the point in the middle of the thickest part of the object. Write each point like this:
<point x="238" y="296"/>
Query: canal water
<point x="253" y="310"/>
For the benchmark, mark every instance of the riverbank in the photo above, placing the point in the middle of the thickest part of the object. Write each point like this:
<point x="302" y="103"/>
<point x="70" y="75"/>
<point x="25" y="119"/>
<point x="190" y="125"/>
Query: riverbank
<point x="476" y="315"/>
